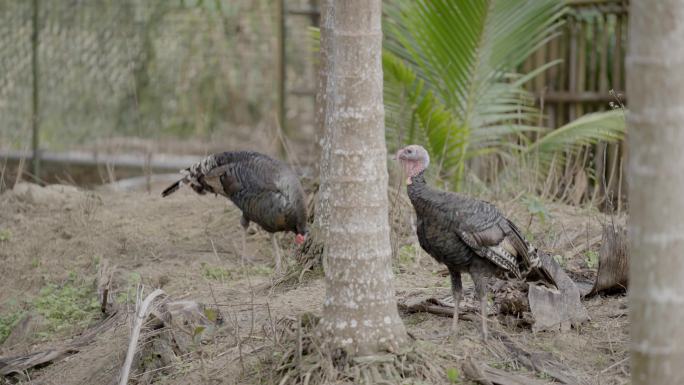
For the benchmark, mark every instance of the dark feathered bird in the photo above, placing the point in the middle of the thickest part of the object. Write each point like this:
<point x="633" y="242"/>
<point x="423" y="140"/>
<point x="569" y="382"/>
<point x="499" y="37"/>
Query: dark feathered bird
<point x="266" y="190"/>
<point x="466" y="234"/>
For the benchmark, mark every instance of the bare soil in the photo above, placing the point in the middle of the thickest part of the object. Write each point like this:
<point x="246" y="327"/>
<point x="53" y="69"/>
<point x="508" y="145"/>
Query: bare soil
<point x="189" y="246"/>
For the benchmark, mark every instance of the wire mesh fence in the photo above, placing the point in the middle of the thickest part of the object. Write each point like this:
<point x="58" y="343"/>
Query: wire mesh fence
<point x="161" y="71"/>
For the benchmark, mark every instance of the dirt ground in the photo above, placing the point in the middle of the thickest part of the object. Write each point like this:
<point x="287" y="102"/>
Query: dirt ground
<point x="189" y="245"/>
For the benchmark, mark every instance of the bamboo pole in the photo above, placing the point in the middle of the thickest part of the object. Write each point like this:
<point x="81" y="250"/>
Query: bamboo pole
<point x="552" y="82"/>
<point x="581" y="66"/>
<point x="603" y="59"/>
<point x="282" y="114"/>
<point x="591" y="81"/>
<point x="562" y="75"/>
<point x="35" y="121"/>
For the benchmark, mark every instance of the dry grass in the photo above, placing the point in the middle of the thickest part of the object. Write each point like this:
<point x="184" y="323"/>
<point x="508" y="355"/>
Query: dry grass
<point x="170" y="243"/>
<point x="301" y="357"/>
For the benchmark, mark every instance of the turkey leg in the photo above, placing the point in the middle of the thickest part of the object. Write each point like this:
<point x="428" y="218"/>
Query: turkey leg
<point x="456" y="291"/>
<point x="480" y="281"/>
<point x="244" y="222"/>
<point x="276" y="253"/>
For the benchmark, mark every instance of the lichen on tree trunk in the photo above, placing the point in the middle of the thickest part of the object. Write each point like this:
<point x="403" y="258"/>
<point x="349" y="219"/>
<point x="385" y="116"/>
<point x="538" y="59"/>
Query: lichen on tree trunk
<point x="360" y="312"/>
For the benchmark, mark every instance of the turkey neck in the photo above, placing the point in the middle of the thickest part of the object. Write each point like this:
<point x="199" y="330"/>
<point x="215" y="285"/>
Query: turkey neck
<point x="423" y="197"/>
<point x="419" y="191"/>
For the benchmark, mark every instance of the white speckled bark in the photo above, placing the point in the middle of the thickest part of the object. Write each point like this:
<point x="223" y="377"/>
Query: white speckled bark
<point x="655" y="87"/>
<point x="322" y="204"/>
<point x="360" y="311"/>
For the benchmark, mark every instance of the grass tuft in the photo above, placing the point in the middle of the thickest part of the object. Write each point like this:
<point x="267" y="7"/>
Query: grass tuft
<point x="5" y="235"/>
<point x="222" y="274"/>
<point x="66" y="306"/>
<point x="62" y="307"/>
<point x="7" y="323"/>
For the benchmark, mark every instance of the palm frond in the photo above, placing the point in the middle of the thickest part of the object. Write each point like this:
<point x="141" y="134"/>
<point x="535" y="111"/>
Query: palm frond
<point x="608" y="126"/>
<point x="416" y="115"/>
<point x="464" y="52"/>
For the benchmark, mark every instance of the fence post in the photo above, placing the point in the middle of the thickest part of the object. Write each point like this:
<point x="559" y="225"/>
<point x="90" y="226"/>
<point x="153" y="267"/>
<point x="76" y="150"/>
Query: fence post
<point x="35" y="160"/>
<point x="281" y="66"/>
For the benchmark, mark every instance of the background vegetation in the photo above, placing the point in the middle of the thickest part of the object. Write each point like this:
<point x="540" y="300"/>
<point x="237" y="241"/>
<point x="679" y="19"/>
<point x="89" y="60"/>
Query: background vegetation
<point x="195" y="76"/>
<point x="452" y="83"/>
<point x="145" y="68"/>
<point x="466" y="79"/>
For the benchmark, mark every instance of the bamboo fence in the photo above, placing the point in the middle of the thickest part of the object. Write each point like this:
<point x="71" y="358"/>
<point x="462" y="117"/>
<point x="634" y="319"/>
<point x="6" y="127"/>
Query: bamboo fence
<point x="590" y="78"/>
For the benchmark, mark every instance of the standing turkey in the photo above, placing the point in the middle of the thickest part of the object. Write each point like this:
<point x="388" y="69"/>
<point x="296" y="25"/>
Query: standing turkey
<point x="266" y="190"/>
<point x="466" y="234"/>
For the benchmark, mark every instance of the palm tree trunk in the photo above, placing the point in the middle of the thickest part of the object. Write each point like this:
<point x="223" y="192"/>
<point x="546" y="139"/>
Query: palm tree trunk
<point x="360" y="312"/>
<point x="322" y="135"/>
<point x="655" y="87"/>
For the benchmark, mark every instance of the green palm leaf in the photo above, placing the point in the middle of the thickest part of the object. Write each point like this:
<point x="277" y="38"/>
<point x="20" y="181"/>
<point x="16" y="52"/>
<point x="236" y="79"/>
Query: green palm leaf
<point x="460" y="56"/>
<point x="608" y="126"/>
<point x="450" y="83"/>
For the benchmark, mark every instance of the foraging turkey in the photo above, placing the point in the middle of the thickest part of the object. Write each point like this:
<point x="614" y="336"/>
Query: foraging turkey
<point x="466" y="234"/>
<point x="266" y="190"/>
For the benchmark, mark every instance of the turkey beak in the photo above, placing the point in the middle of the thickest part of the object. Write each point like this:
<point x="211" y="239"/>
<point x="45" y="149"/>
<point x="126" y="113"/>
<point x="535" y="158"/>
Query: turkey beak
<point x="396" y="156"/>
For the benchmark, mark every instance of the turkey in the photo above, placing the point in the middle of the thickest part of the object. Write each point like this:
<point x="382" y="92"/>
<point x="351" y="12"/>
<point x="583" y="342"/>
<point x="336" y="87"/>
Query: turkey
<point x="266" y="190"/>
<point x="466" y="234"/>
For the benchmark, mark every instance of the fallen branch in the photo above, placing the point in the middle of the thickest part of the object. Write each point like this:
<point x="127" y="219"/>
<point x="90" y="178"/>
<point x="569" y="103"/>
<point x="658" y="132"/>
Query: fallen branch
<point x="437" y="306"/>
<point x="20" y="364"/>
<point x="185" y="322"/>
<point x="530" y="303"/>
<point x="141" y="312"/>
<point x="541" y="362"/>
<point x="486" y="375"/>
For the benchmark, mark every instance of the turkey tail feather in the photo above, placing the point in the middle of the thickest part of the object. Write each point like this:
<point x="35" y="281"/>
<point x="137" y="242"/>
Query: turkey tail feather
<point x="172" y="189"/>
<point x="545" y="276"/>
<point x="531" y="255"/>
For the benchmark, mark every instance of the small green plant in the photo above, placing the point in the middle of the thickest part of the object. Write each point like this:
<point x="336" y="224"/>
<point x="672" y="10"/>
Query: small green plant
<point x="7" y="323"/>
<point x="416" y="319"/>
<point x="536" y="208"/>
<point x="72" y="304"/>
<point x="133" y="281"/>
<point x="211" y="314"/>
<point x="215" y="273"/>
<point x="592" y="259"/>
<point x="407" y="254"/>
<point x="5" y="235"/>
<point x="197" y="334"/>
<point x="544" y="376"/>
<point x="453" y="375"/>
<point x="560" y="259"/>
<point x="256" y="270"/>
<point x="218" y="273"/>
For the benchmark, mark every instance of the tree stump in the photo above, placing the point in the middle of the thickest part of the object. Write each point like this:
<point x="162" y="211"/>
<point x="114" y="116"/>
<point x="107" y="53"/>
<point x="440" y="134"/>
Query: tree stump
<point x="613" y="268"/>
